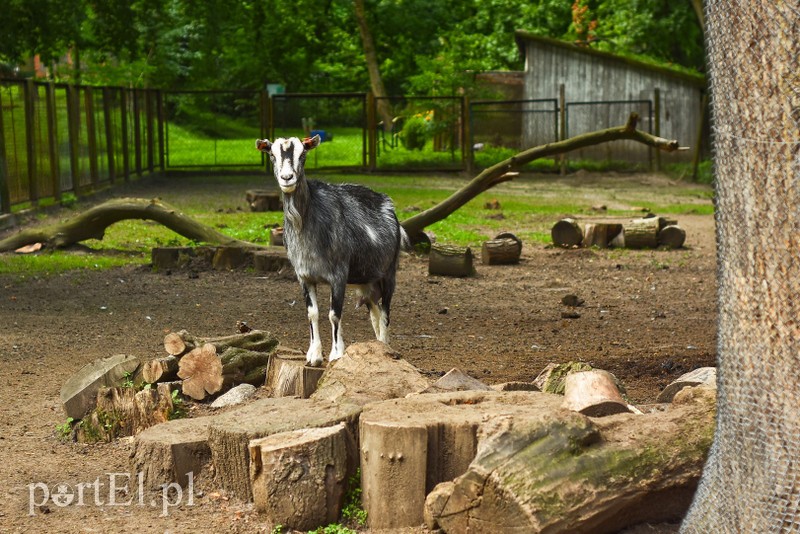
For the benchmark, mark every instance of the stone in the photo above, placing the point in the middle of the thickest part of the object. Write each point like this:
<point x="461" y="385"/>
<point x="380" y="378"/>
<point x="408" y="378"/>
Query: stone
<point x="235" y="395"/>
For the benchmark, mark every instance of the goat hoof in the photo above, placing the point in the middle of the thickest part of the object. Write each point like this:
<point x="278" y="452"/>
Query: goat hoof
<point x="314" y="360"/>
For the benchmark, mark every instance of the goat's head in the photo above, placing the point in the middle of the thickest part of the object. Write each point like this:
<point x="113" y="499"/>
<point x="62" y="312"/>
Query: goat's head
<point x="288" y="158"/>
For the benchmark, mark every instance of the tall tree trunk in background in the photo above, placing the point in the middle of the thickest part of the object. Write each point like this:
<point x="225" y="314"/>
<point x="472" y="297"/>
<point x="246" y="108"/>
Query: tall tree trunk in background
<point x="751" y="482"/>
<point x="375" y="80"/>
<point x="698" y="10"/>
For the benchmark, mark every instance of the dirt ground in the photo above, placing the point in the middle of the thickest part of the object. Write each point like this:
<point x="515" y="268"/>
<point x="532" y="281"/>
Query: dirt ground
<point x="648" y="317"/>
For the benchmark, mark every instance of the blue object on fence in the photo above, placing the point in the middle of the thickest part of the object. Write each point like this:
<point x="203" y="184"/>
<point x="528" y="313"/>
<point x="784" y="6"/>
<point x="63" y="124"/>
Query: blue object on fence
<point x="324" y="135"/>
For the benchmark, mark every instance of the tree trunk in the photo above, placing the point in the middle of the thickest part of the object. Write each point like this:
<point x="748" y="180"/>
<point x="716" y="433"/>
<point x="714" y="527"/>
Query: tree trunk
<point x="181" y="342"/>
<point x="501" y="172"/>
<point x="299" y="478"/>
<point x="672" y="236"/>
<point x="641" y="233"/>
<point x="371" y="57"/>
<point x="566" y="233"/>
<point x="288" y="375"/>
<point x="501" y="251"/>
<point x="750" y="480"/>
<point x="92" y="224"/>
<point x="600" y="234"/>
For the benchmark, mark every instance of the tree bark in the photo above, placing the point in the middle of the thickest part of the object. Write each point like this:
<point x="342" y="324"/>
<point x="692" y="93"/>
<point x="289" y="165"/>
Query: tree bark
<point x="502" y="172"/>
<point x="450" y="260"/>
<point x="160" y="370"/>
<point x="125" y="412"/>
<point x="371" y="57"/>
<point x="641" y="233"/>
<point x="181" y="342"/>
<point x="92" y="224"/>
<point x="501" y="251"/>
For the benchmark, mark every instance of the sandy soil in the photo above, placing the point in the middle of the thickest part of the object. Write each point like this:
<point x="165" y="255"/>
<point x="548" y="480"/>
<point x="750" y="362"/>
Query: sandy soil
<point x="648" y="317"/>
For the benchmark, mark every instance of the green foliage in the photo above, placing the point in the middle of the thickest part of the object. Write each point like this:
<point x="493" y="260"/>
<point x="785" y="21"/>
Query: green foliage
<point x="178" y="406"/>
<point x="127" y="380"/>
<point x="353" y="515"/>
<point x="64" y="430"/>
<point x="415" y="133"/>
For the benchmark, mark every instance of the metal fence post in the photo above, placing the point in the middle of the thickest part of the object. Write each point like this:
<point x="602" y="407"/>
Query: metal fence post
<point x="137" y="133"/>
<point x="30" y="141"/>
<point x="160" y="124"/>
<point x="148" y="111"/>
<point x="123" y="126"/>
<point x="467" y="140"/>
<point x="73" y="127"/>
<point x="372" y="133"/>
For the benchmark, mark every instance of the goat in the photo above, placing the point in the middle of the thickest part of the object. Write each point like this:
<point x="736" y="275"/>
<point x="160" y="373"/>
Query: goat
<point x="336" y="234"/>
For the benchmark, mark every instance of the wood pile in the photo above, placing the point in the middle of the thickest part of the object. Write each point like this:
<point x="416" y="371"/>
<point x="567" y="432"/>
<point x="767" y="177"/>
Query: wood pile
<point x="646" y="232"/>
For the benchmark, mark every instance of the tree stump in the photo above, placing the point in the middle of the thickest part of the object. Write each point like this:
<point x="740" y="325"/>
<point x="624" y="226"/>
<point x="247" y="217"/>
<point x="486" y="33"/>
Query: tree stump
<point x="393" y="473"/>
<point x="124" y="412"/>
<point x="165" y="258"/>
<point x="169" y="452"/>
<point x="230" y="258"/>
<point x="201" y="371"/>
<point x="501" y="251"/>
<point x="600" y="234"/>
<point x="593" y="393"/>
<point x="264" y="200"/>
<point x="450" y="260"/>
<point x="369" y="372"/>
<point x="272" y="260"/>
<point x="288" y="375"/>
<point x="160" y="370"/>
<point x="299" y="478"/>
<point x="672" y="236"/>
<point x="230" y="433"/>
<point x="641" y="233"/>
<point x="566" y="233"/>
<point x="79" y="392"/>
<point x="276" y="237"/>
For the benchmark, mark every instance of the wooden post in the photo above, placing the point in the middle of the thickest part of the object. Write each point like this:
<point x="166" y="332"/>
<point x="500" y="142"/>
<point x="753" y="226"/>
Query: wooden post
<point x="160" y="117"/>
<point x="30" y="141"/>
<point x="657" y="126"/>
<point x="91" y="134"/>
<point x="123" y="124"/>
<point x="468" y="141"/>
<point x="52" y="141"/>
<point x="562" y="110"/>
<point x="73" y="117"/>
<point x="372" y="133"/>
<point x="699" y="143"/>
<point x="149" y="124"/>
<point x="137" y="133"/>
<point x="5" y="195"/>
<point x="109" y="129"/>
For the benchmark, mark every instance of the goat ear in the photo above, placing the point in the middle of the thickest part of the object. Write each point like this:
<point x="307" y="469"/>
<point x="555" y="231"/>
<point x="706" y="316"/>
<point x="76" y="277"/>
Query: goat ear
<point x="311" y="142"/>
<point x="263" y="145"/>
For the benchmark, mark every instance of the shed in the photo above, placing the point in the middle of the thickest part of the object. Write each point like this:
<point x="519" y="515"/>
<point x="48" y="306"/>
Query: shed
<point x="601" y="89"/>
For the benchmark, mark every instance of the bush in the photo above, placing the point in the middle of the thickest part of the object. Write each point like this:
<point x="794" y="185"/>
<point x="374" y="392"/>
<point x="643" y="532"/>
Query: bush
<point x="415" y="133"/>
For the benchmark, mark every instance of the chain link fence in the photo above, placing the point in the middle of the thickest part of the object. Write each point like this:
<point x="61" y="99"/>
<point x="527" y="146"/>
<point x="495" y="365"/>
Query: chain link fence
<point x="751" y="482"/>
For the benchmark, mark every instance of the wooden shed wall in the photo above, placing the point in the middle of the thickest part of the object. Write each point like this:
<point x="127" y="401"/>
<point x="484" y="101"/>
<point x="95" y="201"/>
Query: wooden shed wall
<point x="593" y="77"/>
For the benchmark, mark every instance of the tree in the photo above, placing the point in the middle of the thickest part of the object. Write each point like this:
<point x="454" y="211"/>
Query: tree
<point x="371" y="57"/>
<point x="749" y="483"/>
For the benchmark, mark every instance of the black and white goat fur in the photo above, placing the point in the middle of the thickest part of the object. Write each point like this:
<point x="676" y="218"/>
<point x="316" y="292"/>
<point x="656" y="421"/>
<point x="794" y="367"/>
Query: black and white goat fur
<point x="336" y="234"/>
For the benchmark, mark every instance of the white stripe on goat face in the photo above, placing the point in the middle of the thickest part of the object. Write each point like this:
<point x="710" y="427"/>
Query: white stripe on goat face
<point x="287" y="160"/>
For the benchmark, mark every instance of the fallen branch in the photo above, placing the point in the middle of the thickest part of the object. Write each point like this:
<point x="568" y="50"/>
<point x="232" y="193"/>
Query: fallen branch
<point x="503" y="171"/>
<point x="92" y="224"/>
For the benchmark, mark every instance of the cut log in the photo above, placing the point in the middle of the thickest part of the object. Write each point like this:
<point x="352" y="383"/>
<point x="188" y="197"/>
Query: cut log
<point x="242" y="366"/>
<point x="231" y="432"/>
<point x="501" y="251"/>
<point x="299" y="478"/>
<point x="276" y="237"/>
<point x="566" y="233"/>
<point x="600" y="234"/>
<point x="165" y="258"/>
<point x="160" y="370"/>
<point x="179" y="343"/>
<point x="271" y="260"/>
<point x="264" y="200"/>
<point x="558" y="471"/>
<point x="450" y="260"/>
<point x="172" y="452"/>
<point x="437" y="436"/>
<point x="456" y="380"/>
<point x="593" y="393"/>
<point x="289" y="376"/>
<point x="553" y="376"/>
<point x="230" y="258"/>
<point x="369" y="372"/>
<point x="79" y="392"/>
<point x="641" y="233"/>
<point x="701" y="376"/>
<point x="201" y="371"/>
<point x="671" y="236"/>
<point x="124" y="412"/>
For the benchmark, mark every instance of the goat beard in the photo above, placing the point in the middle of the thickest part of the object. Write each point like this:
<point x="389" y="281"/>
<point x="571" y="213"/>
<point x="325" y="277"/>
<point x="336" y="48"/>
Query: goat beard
<point x="290" y="212"/>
